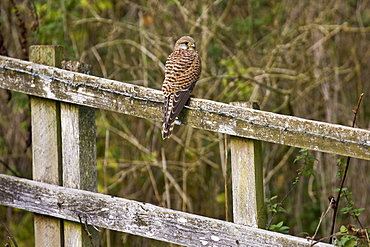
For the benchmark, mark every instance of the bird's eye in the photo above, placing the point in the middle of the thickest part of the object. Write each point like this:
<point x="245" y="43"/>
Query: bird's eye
<point x="186" y="43"/>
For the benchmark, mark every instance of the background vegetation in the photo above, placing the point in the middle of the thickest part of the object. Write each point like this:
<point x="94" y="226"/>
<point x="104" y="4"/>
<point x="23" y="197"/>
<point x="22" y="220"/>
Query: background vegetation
<point x="303" y="58"/>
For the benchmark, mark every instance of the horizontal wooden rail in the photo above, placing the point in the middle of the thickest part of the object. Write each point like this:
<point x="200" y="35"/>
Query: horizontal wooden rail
<point x="61" y="85"/>
<point x="133" y="217"/>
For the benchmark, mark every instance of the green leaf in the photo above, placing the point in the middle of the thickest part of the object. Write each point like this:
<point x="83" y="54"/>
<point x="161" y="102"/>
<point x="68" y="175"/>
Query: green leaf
<point x="274" y="197"/>
<point x="280" y="224"/>
<point x="347" y="241"/>
<point x="337" y="189"/>
<point x="281" y="210"/>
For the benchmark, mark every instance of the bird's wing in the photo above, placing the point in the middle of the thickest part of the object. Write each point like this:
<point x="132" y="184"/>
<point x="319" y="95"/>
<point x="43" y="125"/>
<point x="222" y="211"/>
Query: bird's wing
<point x="175" y="103"/>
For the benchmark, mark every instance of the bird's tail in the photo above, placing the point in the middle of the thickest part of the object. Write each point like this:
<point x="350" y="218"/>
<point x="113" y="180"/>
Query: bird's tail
<point x="168" y="122"/>
<point x="167" y="130"/>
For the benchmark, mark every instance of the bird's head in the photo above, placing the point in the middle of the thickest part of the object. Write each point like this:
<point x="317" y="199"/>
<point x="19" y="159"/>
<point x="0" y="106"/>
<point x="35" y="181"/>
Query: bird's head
<point x="185" y="42"/>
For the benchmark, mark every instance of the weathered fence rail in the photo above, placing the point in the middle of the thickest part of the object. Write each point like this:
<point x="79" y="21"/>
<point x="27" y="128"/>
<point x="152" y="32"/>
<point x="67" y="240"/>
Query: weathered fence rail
<point x="57" y="84"/>
<point x="70" y="147"/>
<point x="133" y="217"/>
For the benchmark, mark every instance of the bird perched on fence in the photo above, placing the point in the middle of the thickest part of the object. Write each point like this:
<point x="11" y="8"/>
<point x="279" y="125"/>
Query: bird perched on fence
<point x="182" y="70"/>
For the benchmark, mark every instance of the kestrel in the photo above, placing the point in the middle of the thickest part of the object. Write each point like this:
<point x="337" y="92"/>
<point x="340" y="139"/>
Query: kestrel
<point x="182" y="70"/>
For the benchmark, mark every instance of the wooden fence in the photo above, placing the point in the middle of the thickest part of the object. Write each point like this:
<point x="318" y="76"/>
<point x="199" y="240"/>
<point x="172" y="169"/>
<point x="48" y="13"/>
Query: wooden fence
<point x="64" y="169"/>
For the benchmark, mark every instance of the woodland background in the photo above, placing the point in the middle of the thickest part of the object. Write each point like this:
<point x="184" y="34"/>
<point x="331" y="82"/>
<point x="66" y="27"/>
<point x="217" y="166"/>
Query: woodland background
<point x="304" y="58"/>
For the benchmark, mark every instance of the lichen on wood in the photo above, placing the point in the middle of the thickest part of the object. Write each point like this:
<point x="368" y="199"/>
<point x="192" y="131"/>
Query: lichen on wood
<point x="72" y="87"/>
<point x="133" y="217"/>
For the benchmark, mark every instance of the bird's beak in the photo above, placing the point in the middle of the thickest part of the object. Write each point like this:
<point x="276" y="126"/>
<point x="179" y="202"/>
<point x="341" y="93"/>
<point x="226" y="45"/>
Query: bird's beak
<point x="192" y="45"/>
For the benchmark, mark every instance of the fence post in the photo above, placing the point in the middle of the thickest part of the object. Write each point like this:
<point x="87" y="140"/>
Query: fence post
<point x="46" y="154"/>
<point x="247" y="178"/>
<point x="78" y="159"/>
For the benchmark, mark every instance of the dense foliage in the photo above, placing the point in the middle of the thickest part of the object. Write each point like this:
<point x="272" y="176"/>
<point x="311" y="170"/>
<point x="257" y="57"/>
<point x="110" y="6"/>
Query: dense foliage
<point x="301" y="58"/>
